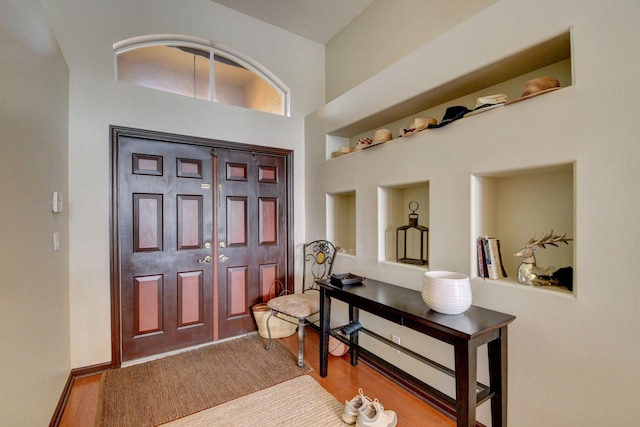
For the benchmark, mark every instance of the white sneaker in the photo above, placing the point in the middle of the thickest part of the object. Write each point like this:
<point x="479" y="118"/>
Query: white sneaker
<point x="353" y="407"/>
<point x="374" y="415"/>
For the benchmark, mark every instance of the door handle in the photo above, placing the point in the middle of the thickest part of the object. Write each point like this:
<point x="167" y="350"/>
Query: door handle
<point x="205" y="260"/>
<point x="223" y="258"/>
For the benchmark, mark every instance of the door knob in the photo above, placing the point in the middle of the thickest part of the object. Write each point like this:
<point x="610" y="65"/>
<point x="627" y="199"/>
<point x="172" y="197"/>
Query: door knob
<point x="223" y="258"/>
<point x="205" y="260"/>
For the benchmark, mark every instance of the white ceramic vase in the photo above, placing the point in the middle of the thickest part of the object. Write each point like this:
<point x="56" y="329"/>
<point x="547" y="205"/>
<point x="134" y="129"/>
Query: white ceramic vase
<point x="447" y="292"/>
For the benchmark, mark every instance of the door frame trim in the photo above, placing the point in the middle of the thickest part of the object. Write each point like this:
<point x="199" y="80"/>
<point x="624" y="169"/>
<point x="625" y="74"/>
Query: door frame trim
<point x="119" y="131"/>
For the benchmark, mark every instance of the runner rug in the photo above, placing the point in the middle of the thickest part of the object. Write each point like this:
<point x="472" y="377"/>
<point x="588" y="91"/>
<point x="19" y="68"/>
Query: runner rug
<point x="173" y="387"/>
<point x="297" y="402"/>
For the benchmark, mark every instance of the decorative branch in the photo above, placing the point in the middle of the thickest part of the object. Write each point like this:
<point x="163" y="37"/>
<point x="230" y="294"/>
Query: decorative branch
<point x="548" y="239"/>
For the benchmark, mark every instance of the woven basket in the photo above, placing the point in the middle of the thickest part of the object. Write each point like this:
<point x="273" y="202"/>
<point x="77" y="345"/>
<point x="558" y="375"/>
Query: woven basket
<point x="279" y="328"/>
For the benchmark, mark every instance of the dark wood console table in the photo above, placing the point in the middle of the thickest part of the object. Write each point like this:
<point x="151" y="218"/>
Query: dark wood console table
<point x="465" y="332"/>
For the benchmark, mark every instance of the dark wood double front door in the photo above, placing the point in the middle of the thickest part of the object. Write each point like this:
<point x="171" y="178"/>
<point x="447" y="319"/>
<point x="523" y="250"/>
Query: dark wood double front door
<point x="201" y="231"/>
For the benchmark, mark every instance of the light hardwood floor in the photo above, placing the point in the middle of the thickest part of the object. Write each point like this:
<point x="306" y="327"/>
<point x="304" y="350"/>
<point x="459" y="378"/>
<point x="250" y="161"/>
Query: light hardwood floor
<point x="342" y="382"/>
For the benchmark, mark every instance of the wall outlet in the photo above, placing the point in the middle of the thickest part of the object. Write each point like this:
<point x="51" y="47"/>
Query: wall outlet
<point x="56" y="240"/>
<point x="395" y="339"/>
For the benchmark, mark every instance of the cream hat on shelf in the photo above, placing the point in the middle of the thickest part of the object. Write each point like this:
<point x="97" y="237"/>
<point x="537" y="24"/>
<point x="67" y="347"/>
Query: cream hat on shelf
<point x="419" y="124"/>
<point x="489" y="102"/>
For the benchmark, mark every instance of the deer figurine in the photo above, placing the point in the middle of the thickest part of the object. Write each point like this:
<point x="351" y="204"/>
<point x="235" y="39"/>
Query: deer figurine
<point x="528" y="272"/>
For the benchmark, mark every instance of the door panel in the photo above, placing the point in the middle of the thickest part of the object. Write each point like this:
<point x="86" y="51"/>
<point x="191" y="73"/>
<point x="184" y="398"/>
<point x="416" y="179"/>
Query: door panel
<point x="237" y="222"/>
<point x="165" y="215"/>
<point x="252" y="234"/>
<point x="147" y="294"/>
<point x="190" y="289"/>
<point x="147" y="222"/>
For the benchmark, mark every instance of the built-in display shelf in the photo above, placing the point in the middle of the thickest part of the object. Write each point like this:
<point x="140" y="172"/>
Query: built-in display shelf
<point x="511" y="203"/>
<point x="507" y="76"/>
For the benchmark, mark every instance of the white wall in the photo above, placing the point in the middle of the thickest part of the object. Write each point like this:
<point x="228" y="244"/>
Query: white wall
<point x="572" y="358"/>
<point x="86" y="31"/>
<point x="34" y="283"/>
<point x="387" y="31"/>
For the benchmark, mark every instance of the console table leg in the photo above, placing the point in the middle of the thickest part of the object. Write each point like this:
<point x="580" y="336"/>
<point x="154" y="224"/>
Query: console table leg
<point x="497" y="352"/>
<point x="354" y="316"/>
<point x="466" y="356"/>
<point x="325" y="320"/>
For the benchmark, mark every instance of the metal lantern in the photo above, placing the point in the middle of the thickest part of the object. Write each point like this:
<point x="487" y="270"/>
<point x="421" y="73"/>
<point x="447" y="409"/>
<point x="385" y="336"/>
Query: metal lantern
<point x="412" y="241"/>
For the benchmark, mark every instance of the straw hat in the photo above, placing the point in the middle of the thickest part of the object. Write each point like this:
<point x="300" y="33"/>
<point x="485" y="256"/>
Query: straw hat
<point x="380" y="136"/>
<point x="363" y="143"/>
<point x="342" y="152"/>
<point x="419" y="124"/>
<point x="537" y="87"/>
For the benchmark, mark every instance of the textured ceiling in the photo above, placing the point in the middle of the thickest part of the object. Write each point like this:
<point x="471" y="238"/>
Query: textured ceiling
<point x="317" y="20"/>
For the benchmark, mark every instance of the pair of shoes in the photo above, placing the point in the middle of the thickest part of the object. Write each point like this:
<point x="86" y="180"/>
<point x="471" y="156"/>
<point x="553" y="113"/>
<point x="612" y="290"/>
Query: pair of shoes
<point x="374" y="415"/>
<point x="353" y="406"/>
<point x="365" y="412"/>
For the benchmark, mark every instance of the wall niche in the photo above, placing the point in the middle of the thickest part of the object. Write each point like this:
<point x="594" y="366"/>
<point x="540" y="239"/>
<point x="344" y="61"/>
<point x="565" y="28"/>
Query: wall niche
<point x="393" y="212"/>
<point x="515" y="205"/>
<point x="341" y="221"/>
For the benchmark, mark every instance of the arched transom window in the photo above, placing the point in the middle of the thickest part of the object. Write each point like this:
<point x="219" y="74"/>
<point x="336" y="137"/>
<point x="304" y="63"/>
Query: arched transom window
<point x="199" y="69"/>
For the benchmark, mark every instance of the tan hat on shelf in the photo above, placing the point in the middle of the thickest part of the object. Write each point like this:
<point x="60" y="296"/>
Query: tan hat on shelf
<point x="419" y="124"/>
<point x="537" y="87"/>
<point x="380" y="136"/>
<point x="342" y="151"/>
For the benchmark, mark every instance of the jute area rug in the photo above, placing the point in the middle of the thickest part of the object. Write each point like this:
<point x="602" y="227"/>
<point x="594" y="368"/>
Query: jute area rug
<point x="297" y="402"/>
<point x="173" y="387"/>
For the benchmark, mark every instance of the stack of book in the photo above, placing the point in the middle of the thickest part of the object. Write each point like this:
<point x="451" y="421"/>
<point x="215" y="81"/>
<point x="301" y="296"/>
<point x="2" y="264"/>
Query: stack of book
<point x="489" y="258"/>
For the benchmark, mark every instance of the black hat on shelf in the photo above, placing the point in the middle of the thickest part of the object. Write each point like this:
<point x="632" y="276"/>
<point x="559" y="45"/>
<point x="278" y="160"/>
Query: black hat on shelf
<point x="451" y="115"/>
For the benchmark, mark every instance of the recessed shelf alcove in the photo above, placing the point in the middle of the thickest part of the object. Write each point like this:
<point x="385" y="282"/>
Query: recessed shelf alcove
<point x="514" y="205"/>
<point x="393" y="212"/>
<point x="341" y="221"/>
<point x="508" y="75"/>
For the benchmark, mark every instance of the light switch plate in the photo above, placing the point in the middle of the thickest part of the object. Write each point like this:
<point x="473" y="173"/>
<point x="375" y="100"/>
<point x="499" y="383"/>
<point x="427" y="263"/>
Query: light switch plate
<point x="57" y="202"/>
